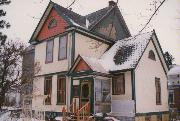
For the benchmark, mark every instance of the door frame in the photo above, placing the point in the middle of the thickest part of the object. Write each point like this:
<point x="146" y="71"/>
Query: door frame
<point x="92" y="90"/>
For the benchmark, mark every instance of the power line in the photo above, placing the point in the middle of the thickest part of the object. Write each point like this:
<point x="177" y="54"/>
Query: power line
<point x="71" y="4"/>
<point x="152" y="16"/>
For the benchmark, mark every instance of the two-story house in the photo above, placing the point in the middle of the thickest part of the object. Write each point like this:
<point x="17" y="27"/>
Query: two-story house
<point x="94" y="59"/>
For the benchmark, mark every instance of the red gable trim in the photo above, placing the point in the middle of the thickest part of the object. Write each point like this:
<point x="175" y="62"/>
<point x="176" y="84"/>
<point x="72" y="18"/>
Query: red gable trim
<point x="45" y="32"/>
<point x="82" y="66"/>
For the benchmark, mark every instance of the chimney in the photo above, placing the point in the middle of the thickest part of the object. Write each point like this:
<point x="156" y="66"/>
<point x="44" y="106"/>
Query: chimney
<point x="112" y="3"/>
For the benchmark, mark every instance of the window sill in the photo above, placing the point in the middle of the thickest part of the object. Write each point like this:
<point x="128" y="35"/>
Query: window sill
<point x="158" y="104"/>
<point x="48" y="104"/>
<point x="60" y="103"/>
<point x="60" y="59"/>
<point x="46" y="62"/>
<point x="119" y="94"/>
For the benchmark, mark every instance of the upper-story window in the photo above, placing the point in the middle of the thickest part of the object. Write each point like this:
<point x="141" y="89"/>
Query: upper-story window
<point x="62" y="48"/>
<point x="52" y="23"/>
<point x="49" y="51"/>
<point x="118" y="85"/>
<point x="151" y="55"/>
<point x="158" y="91"/>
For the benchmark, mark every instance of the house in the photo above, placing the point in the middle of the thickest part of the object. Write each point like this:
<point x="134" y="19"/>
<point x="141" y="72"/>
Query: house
<point x="94" y="59"/>
<point x="174" y="90"/>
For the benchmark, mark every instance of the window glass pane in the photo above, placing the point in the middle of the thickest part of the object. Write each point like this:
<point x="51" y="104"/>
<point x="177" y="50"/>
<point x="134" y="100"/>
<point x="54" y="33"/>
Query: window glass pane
<point x="106" y="96"/>
<point x="49" y="51"/>
<point x="63" y="47"/>
<point x="119" y="85"/>
<point x="61" y="90"/>
<point x="48" y="89"/>
<point x="158" y="90"/>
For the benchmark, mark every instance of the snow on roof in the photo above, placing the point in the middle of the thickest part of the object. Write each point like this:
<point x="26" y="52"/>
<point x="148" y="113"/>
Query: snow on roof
<point x="94" y="64"/>
<point x="125" y="53"/>
<point x="175" y="70"/>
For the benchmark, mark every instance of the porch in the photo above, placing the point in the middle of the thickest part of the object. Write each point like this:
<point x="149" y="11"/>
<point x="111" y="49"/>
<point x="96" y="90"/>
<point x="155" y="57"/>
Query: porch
<point x="103" y="92"/>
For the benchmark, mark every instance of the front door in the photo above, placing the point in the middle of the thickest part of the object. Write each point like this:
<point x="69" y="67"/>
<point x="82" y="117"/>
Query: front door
<point x="85" y="93"/>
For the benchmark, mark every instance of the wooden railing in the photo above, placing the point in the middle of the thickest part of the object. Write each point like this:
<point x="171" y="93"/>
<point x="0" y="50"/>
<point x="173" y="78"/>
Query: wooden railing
<point x="84" y="112"/>
<point x="81" y="114"/>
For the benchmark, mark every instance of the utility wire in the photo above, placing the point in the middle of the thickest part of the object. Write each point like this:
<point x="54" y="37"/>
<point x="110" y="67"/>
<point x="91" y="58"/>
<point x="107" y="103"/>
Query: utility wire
<point x="152" y="16"/>
<point x="71" y="4"/>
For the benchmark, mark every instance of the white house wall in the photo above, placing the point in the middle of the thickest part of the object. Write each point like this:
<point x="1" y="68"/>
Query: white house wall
<point x="85" y="46"/>
<point x="145" y="74"/>
<point x="38" y="92"/>
<point x="56" y="65"/>
<point x="128" y="89"/>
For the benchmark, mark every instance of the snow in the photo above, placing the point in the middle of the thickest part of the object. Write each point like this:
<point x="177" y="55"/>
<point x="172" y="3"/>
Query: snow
<point x="6" y="117"/>
<point x="95" y="64"/>
<point x="111" y="118"/>
<point x="175" y="70"/>
<point x="76" y="24"/>
<point x="139" y="42"/>
<point x="59" y="118"/>
<point x="106" y="63"/>
<point x="99" y="114"/>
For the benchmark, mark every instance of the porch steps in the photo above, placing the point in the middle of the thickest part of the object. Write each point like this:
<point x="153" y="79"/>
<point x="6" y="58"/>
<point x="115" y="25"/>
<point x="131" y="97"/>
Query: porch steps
<point x="74" y="114"/>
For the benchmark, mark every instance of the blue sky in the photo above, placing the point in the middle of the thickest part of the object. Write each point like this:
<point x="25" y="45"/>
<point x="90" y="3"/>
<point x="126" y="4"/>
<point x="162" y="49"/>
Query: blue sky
<point x="20" y="14"/>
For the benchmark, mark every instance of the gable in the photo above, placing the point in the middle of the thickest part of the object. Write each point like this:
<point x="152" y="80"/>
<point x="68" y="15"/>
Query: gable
<point x="112" y="26"/>
<point x="47" y="32"/>
<point x="146" y="62"/>
<point x="82" y="66"/>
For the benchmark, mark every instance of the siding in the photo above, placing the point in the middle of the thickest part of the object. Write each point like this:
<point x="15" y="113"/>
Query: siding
<point x="145" y="74"/>
<point x="56" y="65"/>
<point x="85" y="46"/>
<point x="45" y="32"/>
<point x="128" y="89"/>
<point x="38" y="91"/>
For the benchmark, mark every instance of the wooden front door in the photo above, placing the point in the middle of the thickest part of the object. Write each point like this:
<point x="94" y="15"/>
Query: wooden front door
<point x="86" y="92"/>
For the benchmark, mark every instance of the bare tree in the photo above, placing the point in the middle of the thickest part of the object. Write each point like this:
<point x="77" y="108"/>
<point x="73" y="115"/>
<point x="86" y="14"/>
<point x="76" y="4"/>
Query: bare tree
<point x="3" y="23"/>
<point x="10" y="67"/>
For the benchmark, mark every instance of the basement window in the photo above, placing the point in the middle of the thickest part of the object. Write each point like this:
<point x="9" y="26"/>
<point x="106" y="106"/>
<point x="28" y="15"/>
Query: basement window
<point x="52" y="23"/>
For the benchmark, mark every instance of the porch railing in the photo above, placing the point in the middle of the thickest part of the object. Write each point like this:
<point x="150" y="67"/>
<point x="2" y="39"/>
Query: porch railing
<point x="81" y="114"/>
<point x="84" y="112"/>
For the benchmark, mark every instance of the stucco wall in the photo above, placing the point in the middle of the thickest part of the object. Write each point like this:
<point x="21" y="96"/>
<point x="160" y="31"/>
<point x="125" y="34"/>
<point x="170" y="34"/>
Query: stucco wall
<point x="145" y="74"/>
<point x="56" y="65"/>
<point x="128" y="89"/>
<point x="85" y="46"/>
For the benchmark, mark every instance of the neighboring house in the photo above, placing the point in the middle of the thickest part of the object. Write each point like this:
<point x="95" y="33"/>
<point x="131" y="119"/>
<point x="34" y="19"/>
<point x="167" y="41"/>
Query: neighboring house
<point x="94" y="59"/>
<point x="174" y="88"/>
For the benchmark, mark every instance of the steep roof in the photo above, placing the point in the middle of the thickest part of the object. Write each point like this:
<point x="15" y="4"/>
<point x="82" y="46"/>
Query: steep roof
<point x="125" y="53"/>
<point x="94" y="17"/>
<point x="95" y="64"/>
<point x="79" y="19"/>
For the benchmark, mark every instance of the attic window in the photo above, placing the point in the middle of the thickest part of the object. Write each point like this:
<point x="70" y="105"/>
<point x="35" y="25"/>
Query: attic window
<point x="52" y="23"/>
<point x="151" y="55"/>
<point x="122" y="54"/>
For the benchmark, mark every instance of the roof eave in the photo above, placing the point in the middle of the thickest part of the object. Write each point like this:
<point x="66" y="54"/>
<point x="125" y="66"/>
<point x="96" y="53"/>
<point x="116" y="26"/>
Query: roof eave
<point x="100" y="36"/>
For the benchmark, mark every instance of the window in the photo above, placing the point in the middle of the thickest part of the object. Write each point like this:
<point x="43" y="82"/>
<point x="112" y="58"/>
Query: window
<point x="151" y="55"/>
<point x="171" y="97"/>
<point x="118" y="85"/>
<point x="148" y="118"/>
<point x="61" y="90"/>
<point x="159" y="117"/>
<point x="52" y="23"/>
<point x="49" y="51"/>
<point x="158" y="91"/>
<point x="62" y="48"/>
<point x="48" y="89"/>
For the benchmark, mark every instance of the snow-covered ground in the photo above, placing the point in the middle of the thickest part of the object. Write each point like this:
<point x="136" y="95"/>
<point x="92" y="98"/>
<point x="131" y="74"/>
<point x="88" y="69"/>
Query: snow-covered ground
<point x="6" y="117"/>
